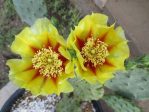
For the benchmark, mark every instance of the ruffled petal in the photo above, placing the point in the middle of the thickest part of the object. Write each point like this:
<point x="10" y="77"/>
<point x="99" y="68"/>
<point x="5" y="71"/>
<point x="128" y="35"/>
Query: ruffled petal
<point x="100" y="32"/>
<point x="118" y="54"/>
<point x="29" y="38"/>
<point x="113" y="38"/>
<point x="64" y="52"/>
<point x="95" y="18"/>
<point x="49" y="87"/>
<point x="44" y="28"/>
<point x="119" y="30"/>
<point x="64" y="87"/>
<point x="65" y="76"/>
<point x="19" y="65"/>
<point x="20" y="46"/>
<point x="84" y="28"/>
<point x="35" y="85"/>
<point x="87" y="75"/>
<point x="69" y="68"/>
<point x="43" y="25"/>
<point x="22" y="78"/>
<point x="104" y="76"/>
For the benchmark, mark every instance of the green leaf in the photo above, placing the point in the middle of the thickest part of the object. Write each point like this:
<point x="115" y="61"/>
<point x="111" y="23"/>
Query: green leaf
<point x="30" y="10"/>
<point x="133" y="84"/>
<point x="85" y="91"/>
<point x="120" y="104"/>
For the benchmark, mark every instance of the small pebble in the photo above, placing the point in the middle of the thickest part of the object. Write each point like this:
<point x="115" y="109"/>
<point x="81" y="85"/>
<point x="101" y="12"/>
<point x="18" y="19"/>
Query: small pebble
<point x="30" y="103"/>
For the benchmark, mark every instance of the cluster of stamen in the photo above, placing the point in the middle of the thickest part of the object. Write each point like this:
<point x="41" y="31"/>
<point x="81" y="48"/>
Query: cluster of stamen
<point x="95" y="51"/>
<point x="47" y="62"/>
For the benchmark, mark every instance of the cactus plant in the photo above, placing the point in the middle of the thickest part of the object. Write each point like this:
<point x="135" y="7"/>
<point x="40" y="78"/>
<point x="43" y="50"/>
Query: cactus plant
<point x="132" y="84"/>
<point x="30" y="10"/>
<point x="119" y="104"/>
<point x="85" y="91"/>
<point x="68" y="104"/>
<point x="139" y="62"/>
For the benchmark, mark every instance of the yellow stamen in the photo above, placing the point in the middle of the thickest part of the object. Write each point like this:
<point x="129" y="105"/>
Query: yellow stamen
<point x="47" y="62"/>
<point x="95" y="52"/>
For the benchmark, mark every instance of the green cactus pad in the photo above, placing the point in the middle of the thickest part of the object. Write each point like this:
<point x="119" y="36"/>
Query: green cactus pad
<point x="133" y="84"/>
<point x="85" y="91"/>
<point x="30" y="10"/>
<point x="120" y="104"/>
<point x="68" y="104"/>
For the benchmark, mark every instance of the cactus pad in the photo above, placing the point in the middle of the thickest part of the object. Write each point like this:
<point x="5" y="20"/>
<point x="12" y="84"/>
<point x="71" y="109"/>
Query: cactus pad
<point x="120" y="104"/>
<point x="85" y="91"/>
<point x="30" y="10"/>
<point x="68" y="104"/>
<point x="133" y="84"/>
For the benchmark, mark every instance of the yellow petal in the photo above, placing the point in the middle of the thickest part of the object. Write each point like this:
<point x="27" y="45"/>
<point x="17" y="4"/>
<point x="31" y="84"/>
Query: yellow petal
<point x="43" y="25"/>
<point x="87" y="75"/>
<point x="35" y="85"/>
<point x="49" y="87"/>
<point x="118" y="54"/>
<point x="99" y="31"/>
<point x="63" y="51"/>
<point x="82" y="30"/>
<point x="22" y="78"/>
<point x="29" y="38"/>
<point x="119" y="50"/>
<point x="108" y="68"/>
<point x="46" y="32"/>
<point x="119" y="30"/>
<point x="113" y="38"/>
<point x="85" y="26"/>
<point x="69" y="68"/>
<point x="103" y="77"/>
<point x="19" y="65"/>
<point x="65" y="87"/>
<point x="20" y="46"/>
<point x="98" y="18"/>
<point x="65" y="76"/>
<point x="95" y="18"/>
<point x="57" y="38"/>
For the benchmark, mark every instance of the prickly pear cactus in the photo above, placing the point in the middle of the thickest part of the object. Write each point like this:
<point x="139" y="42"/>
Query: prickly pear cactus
<point x="84" y="91"/>
<point x="68" y="104"/>
<point x="30" y="10"/>
<point x="119" y="104"/>
<point x="133" y="84"/>
<point x="139" y="62"/>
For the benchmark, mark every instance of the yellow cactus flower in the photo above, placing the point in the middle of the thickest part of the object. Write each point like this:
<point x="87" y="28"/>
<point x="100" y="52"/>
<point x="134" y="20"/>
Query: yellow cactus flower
<point x="100" y="49"/>
<point x="44" y="66"/>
